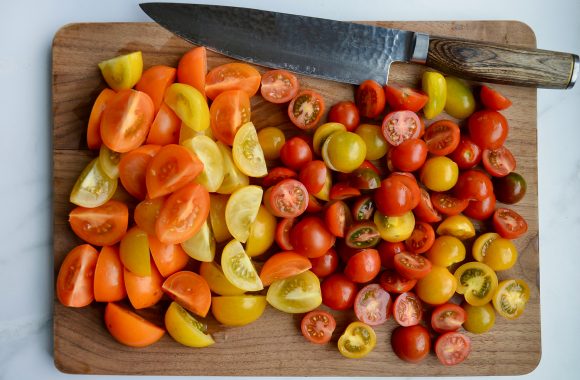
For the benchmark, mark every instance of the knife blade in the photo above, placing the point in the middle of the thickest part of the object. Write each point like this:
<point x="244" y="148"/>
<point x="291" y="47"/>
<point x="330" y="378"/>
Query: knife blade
<point x="351" y="53"/>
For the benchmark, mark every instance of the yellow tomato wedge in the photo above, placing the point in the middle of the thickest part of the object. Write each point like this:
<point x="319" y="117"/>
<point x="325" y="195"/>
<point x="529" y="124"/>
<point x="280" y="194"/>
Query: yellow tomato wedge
<point x="458" y="226"/>
<point x="122" y="72"/>
<point x="213" y="163"/>
<point x="237" y="310"/>
<point x="241" y="211"/>
<point x="201" y="246"/>
<point x="296" y="294"/>
<point x="134" y="252"/>
<point x="238" y="268"/>
<point x="233" y="177"/>
<point x="185" y="329"/>
<point x="186" y="133"/>
<point x="395" y="228"/>
<point x="247" y="152"/>
<point x="481" y="245"/>
<point x="189" y="105"/>
<point x="262" y="233"/>
<point x="217" y="217"/>
<point x="94" y="187"/>
<point x="109" y="161"/>
<point x="217" y="281"/>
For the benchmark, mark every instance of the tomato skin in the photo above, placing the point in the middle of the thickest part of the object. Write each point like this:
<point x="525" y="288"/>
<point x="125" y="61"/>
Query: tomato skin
<point x="346" y="114"/>
<point x="411" y="344"/>
<point x="317" y="326"/>
<point x="405" y="98"/>
<point x="467" y="154"/>
<point x="325" y="265"/>
<point x="407" y="309"/>
<point x="510" y="189"/>
<point x="282" y="235"/>
<point x="460" y="102"/>
<point x="295" y="153"/>
<point x="283" y="265"/>
<point x="493" y="100"/>
<point x="311" y="238"/>
<point x="232" y="76"/>
<point x="473" y="185"/>
<point x="372" y="136"/>
<point x="103" y="225"/>
<point x="168" y="258"/>
<point x="313" y="176"/>
<point x="447" y="317"/>
<point x="412" y="266"/>
<point x="133" y="169"/>
<point x="435" y="86"/>
<point x="154" y="81"/>
<point x="279" y="86"/>
<point x="363" y="266"/>
<point x="129" y="328"/>
<point x="190" y="290"/>
<point x="452" y="348"/>
<point x="439" y="173"/>
<point x="75" y="281"/>
<point x="192" y="68"/>
<point x="397" y="195"/>
<point x="481" y="210"/>
<point x="143" y="291"/>
<point x="425" y="212"/>
<point x="447" y="204"/>
<point x="228" y="112"/>
<point x="277" y="199"/>
<point x="109" y="284"/>
<point x="479" y="319"/>
<point x="278" y="174"/>
<point x="421" y="239"/>
<point x="488" y="129"/>
<point x="499" y="162"/>
<point x="387" y="252"/>
<point x="341" y="191"/>
<point x="372" y="305"/>
<point x="442" y="137"/>
<point x="338" y="292"/>
<point x="508" y="223"/>
<point x="94" y="140"/>
<point x="399" y="126"/>
<point x="306" y="109"/>
<point x="338" y="218"/>
<point x="393" y="282"/>
<point x="370" y="99"/>
<point x="410" y="155"/>
<point x="166" y="127"/>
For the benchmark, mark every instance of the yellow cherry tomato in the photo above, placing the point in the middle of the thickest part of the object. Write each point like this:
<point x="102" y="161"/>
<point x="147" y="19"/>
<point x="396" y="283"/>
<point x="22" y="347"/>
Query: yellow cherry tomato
<point x="344" y="151"/>
<point x="122" y="72"/>
<point x="201" y="246"/>
<point x="241" y="211"/>
<point x="477" y="282"/>
<point x="247" y="152"/>
<point x="186" y="133"/>
<point x="185" y="329"/>
<point x="481" y="244"/>
<point x="210" y="155"/>
<point x="94" y="187"/>
<point x="437" y="287"/>
<point x="238" y="268"/>
<point x="460" y="102"/>
<point x="357" y="341"/>
<point x="395" y="228"/>
<point x="321" y="134"/>
<point x="262" y="233"/>
<point x="134" y="252"/>
<point x="237" y="310"/>
<point x="446" y="251"/>
<point x="435" y="87"/>
<point x="479" y="319"/>
<point x="324" y="194"/>
<point x="439" y="173"/>
<point x="374" y="140"/>
<point x="189" y="105"/>
<point x="296" y="294"/>
<point x="271" y="140"/>
<point x="233" y="177"/>
<point x="109" y="161"/>
<point x="458" y="226"/>
<point x="511" y="298"/>
<point x="502" y="254"/>
<point x="217" y="281"/>
<point x="217" y="217"/>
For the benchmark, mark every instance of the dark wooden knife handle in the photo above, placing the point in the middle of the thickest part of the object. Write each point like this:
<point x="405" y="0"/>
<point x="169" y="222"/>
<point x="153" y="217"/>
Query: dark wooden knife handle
<point x="503" y="64"/>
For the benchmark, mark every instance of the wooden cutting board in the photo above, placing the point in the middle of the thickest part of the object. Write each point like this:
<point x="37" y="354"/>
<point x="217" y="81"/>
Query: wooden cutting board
<point x="272" y="346"/>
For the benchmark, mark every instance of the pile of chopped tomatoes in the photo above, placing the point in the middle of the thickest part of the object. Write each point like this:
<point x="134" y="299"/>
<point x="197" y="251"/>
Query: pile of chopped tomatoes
<point x="385" y="205"/>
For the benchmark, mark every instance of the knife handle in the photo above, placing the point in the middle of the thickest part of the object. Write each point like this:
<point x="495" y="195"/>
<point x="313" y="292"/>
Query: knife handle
<point x="503" y="64"/>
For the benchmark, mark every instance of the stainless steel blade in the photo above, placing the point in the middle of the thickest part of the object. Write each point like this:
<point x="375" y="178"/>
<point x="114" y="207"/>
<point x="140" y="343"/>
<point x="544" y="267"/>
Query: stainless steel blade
<point x="339" y="51"/>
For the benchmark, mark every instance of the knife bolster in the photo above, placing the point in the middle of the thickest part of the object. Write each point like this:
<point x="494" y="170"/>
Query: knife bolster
<point x="420" y="48"/>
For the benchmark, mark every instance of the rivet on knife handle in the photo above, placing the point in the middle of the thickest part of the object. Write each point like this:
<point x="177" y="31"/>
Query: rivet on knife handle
<point x="503" y="64"/>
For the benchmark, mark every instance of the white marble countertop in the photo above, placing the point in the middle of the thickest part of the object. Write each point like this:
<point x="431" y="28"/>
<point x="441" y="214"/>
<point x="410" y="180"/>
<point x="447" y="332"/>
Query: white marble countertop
<point x="26" y="283"/>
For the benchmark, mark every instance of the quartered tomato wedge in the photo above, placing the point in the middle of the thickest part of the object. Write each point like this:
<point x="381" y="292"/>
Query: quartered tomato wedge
<point x="493" y="99"/>
<point x="287" y="199"/>
<point x="109" y="283"/>
<point x="228" y="112"/>
<point x="282" y="235"/>
<point x="363" y="234"/>
<point x="185" y="329"/>
<point x="168" y="258"/>
<point x="247" y="152"/>
<point x="499" y="162"/>
<point x="508" y="223"/>
<point x="192" y="68"/>
<point x="130" y="328"/>
<point x="447" y="317"/>
<point x="511" y="297"/>
<point x="283" y="265"/>
<point x="338" y="218"/>
<point x="407" y="309"/>
<point x="242" y="210"/>
<point x="208" y="152"/>
<point x="452" y="348"/>
<point x="405" y="98"/>
<point x="370" y="99"/>
<point x="412" y="266"/>
<point x="296" y="294"/>
<point x="421" y="239"/>
<point x="279" y="86"/>
<point x="372" y="305"/>
<point x="237" y="310"/>
<point x="317" y="326"/>
<point x="358" y="340"/>
<point x="166" y="127"/>
<point x="201" y="246"/>
<point x="75" y="281"/>
<point x="342" y="191"/>
<point x="190" y="290"/>
<point x="94" y="127"/>
<point x="154" y="81"/>
<point x="218" y="283"/>
<point x="399" y="126"/>
<point x="477" y="282"/>
<point x="122" y="72"/>
<point x="306" y="109"/>
<point x="143" y="291"/>
<point x="238" y="267"/>
<point x="425" y="211"/>
<point x="146" y="213"/>
<point x="93" y="187"/>
<point x="447" y="204"/>
<point x="442" y="137"/>
<point x="189" y="104"/>
<point x="133" y="169"/>
<point x="232" y="76"/>
<point x="393" y="282"/>
<point x="103" y="225"/>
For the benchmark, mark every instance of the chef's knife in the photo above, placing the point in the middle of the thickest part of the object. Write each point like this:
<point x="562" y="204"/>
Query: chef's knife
<point x="351" y="53"/>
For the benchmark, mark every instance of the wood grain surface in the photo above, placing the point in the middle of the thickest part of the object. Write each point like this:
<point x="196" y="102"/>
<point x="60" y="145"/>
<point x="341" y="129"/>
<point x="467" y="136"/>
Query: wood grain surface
<point x="273" y="345"/>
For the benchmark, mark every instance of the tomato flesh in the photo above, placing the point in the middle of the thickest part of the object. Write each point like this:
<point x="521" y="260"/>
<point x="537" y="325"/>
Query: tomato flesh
<point x="306" y="109"/>
<point x="452" y="348"/>
<point x="509" y="224"/>
<point x="499" y="162"/>
<point x="103" y="225"/>
<point x="407" y="309"/>
<point x="190" y="290"/>
<point x="74" y="284"/>
<point x="372" y="305"/>
<point x="447" y="317"/>
<point x="393" y="282"/>
<point x="287" y="199"/>
<point x="279" y="86"/>
<point x="370" y="99"/>
<point x="317" y="326"/>
<point x="412" y="266"/>
<point x="399" y="126"/>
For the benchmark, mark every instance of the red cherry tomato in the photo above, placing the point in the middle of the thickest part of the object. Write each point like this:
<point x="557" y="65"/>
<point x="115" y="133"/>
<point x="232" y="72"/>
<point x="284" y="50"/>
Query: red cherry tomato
<point x="338" y="292"/>
<point x="314" y="205"/>
<point x="493" y="100"/>
<point x="499" y="162"/>
<point x="317" y="326"/>
<point x="370" y="99"/>
<point x="481" y="210"/>
<point x="326" y="264"/>
<point x="372" y="305"/>
<point x="393" y="282"/>
<point x="411" y="344"/>
<point x="346" y="114"/>
<point x="397" y="195"/>
<point x="473" y="185"/>
<point x="387" y="252"/>
<point x="277" y="175"/>
<point x="467" y="154"/>
<point x="295" y="153"/>
<point x="442" y="137"/>
<point x="447" y="317"/>
<point x="287" y="199"/>
<point x="425" y="211"/>
<point x="405" y="98"/>
<point x="338" y="218"/>
<point x="452" y="348"/>
<point x="421" y="239"/>
<point x="399" y="126"/>
<point x="311" y="238"/>
<point x="407" y="309"/>
<point x="488" y="129"/>
<point x="306" y="109"/>
<point x="412" y="266"/>
<point x="447" y="204"/>
<point x="363" y="266"/>
<point x="410" y="155"/>
<point x="313" y="176"/>
<point x="508" y="223"/>
<point x="341" y="191"/>
<point x="282" y="235"/>
<point x="279" y="86"/>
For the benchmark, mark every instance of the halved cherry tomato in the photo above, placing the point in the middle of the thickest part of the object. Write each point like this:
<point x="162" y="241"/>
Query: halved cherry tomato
<point x="338" y="218"/>
<point x="282" y="235"/>
<point x="326" y="264"/>
<point x="232" y="76"/>
<point x="442" y="137"/>
<point x="477" y="281"/>
<point x="190" y="290"/>
<point x="447" y="317"/>
<point x="342" y="191"/>
<point x="283" y="265"/>
<point x="168" y="258"/>
<point x="346" y="114"/>
<point x="133" y="169"/>
<point x="399" y="126"/>
<point x="143" y="291"/>
<point x="363" y="266"/>
<point x="508" y="223"/>
<point x="425" y="211"/>
<point x="126" y="120"/>
<point x="493" y="100"/>
<point x="467" y="154"/>
<point x="75" y="281"/>
<point x="146" y="213"/>
<point x="317" y="326"/>
<point x="365" y="179"/>
<point x="296" y="294"/>
<point x="407" y="309"/>
<point x="405" y="98"/>
<point x="154" y="81"/>
<point x="311" y="238"/>
<point x="130" y="328"/>
<point x="228" y="112"/>
<point x="511" y="298"/>
<point x="103" y="225"/>
<point x="397" y="195"/>
<point x="338" y="292"/>
<point x="182" y="214"/>
<point x="412" y="266"/>
<point x="393" y="282"/>
<point x="447" y="204"/>
<point x="357" y="340"/>
<point x="313" y="176"/>
<point x="165" y="128"/>
<point x="452" y="348"/>
<point x="488" y="129"/>
<point x="481" y="210"/>
<point x="279" y="86"/>
<point x="499" y="162"/>
<point x="173" y="167"/>
<point x="192" y="68"/>
<point x="421" y="239"/>
<point x="363" y="208"/>
<point x="411" y="344"/>
<point x="295" y="153"/>
<point x="94" y="127"/>
<point x="370" y="99"/>
<point x="286" y="199"/>
<point x="362" y="235"/>
<point x="473" y="185"/>
<point x="410" y="155"/>
<point x="372" y="305"/>
<point x="109" y="285"/>
<point x="387" y="252"/>
<point x="278" y="174"/>
<point x="306" y="109"/>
